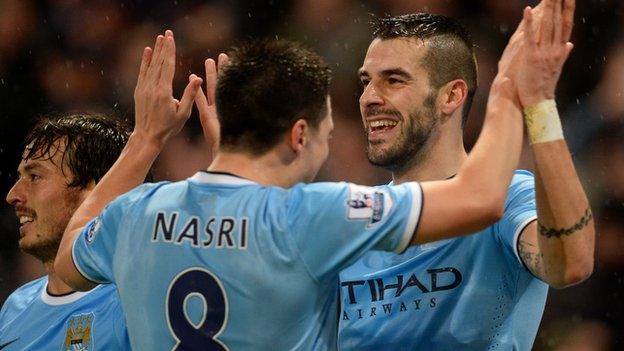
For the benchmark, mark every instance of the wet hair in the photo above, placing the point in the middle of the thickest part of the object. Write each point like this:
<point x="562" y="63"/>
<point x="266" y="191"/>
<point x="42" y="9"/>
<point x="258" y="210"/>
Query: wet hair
<point x="92" y="144"/>
<point x="266" y="87"/>
<point x="450" y="53"/>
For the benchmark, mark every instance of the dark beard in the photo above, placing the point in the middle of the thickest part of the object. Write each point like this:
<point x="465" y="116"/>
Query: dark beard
<point x="410" y="149"/>
<point x="44" y="251"/>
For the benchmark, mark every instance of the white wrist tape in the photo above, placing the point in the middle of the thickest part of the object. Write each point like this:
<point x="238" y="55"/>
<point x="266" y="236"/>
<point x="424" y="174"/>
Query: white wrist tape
<point x="542" y="121"/>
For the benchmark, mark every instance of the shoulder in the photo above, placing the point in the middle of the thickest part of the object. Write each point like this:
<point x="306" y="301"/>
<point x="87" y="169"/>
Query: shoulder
<point x="145" y="190"/>
<point x="522" y="185"/>
<point x="305" y="191"/>
<point x="24" y="296"/>
<point x="319" y="188"/>
<point x="522" y="178"/>
<point x="522" y="174"/>
<point x="104" y="292"/>
<point x="135" y="197"/>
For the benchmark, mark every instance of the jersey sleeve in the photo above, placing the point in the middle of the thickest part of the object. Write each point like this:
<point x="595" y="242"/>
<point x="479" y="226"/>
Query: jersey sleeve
<point x="94" y="248"/>
<point x="520" y="211"/>
<point x="333" y="224"/>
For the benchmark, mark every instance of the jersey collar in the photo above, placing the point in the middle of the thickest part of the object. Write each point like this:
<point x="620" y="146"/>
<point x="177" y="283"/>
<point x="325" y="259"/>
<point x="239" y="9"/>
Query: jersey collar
<point x="65" y="299"/>
<point x="220" y="178"/>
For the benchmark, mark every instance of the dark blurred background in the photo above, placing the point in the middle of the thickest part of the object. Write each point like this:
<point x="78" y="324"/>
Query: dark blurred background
<point x="72" y="56"/>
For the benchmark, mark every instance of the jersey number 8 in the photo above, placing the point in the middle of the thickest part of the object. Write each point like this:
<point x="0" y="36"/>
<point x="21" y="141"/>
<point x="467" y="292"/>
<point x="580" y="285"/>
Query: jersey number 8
<point x="201" y="283"/>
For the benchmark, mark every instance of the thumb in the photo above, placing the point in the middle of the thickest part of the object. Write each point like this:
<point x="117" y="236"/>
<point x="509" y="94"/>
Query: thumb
<point x="186" y="102"/>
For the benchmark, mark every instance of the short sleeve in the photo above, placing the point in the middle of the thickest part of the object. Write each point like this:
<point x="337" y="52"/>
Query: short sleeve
<point x="520" y="211"/>
<point x="333" y="224"/>
<point x="94" y="248"/>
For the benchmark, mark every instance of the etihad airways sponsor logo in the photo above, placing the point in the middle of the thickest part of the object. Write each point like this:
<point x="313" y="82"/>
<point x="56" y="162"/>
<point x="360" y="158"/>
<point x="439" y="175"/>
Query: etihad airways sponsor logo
<point x="382" y="296"/>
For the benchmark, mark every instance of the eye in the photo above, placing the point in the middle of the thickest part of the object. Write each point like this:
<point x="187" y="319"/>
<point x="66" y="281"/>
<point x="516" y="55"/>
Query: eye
<point x="34" y="177"/>
<point x="364" y="81"/>
<point x="393" y="80"/>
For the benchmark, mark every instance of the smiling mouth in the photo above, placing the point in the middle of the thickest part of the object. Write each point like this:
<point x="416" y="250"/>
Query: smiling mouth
<point x="25" y="219"/>
<point x="381" y="126"/>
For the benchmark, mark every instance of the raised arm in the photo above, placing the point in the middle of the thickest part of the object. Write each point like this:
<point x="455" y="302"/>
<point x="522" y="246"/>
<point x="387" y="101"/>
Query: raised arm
<point x="474" y="199"/>
<point x="158" y="116"/>
<point x="559" y="247"/>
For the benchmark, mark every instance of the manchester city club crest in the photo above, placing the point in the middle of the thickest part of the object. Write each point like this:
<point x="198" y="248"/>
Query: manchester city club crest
<point x="79" y="335"/>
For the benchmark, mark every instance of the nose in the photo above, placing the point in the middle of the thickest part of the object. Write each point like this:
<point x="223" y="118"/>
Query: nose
<point x="15" y="195"/>
<point x="370" y="96"/>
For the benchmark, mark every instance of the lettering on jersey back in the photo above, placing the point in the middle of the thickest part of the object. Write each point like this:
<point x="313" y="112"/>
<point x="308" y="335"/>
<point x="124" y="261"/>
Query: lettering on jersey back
<point x="214" y="232"/>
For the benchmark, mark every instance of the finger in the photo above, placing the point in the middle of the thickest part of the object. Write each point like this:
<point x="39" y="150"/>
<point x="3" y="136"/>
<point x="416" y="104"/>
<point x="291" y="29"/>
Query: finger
<point x="145" y="61"/>
<point x="546" y="26"/>
<point x="211" y="80"/>
<point x="200" y="100"/>
<point x="186" y="102"/>
<point x="168" y="57"/>
<point x="568" y="19"/>
<point x="568" y="50"/>
<point x="153" y="68"/>
<point x="556" y="39"/>
<point x="208" y="119"/>
<point x="530" y="32"/>
<point x="222" y="60"/>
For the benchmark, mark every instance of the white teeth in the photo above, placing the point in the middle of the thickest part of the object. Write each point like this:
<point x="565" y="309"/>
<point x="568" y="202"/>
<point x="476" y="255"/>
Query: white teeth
<point x="383" y="123"/>
<point x="25" y="219"/>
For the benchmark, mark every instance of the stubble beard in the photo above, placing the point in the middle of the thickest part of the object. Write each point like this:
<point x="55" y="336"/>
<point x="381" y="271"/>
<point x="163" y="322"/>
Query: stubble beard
<point x="45" y="248"/>
<point x="410" y="146"/>
<point x="49" y="233"/>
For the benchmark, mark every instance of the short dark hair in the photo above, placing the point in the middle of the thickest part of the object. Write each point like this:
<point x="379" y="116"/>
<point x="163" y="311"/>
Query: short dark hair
<point x="266" y="86"/>
<point x="451" y="52"/>
<point x="92" y="144"/>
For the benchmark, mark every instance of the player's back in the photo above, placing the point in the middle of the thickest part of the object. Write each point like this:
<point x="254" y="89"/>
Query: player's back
<point x="218" y="260"/>
<point x="222" y="247"/>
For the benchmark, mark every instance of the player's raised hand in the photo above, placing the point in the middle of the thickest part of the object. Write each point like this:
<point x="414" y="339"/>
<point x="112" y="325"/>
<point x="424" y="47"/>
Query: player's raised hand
<point x="545" y="50"/>
<point x="206" y="104"/>
<point x="508" y="64"/>
<point x="158" y="115"/>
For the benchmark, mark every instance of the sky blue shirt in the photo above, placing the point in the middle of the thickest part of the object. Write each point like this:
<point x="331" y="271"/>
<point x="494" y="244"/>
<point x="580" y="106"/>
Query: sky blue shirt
<point x="222" y="263"/>
<point x="467" y="293"/>
<point x="31" y="319"/>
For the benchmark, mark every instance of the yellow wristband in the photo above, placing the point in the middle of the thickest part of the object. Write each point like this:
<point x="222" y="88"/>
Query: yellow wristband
<point x="542" y="121"/>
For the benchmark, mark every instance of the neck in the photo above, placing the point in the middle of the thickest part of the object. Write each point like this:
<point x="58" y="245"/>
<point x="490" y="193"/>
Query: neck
<point x="56" y="286"/>
<point x="267" y="170"/>
<point x="441" y="159"/>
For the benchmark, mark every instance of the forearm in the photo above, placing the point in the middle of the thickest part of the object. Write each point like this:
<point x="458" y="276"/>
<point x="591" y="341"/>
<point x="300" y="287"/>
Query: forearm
<point x="474" y="199"/>
<point x="495" y="156"/>
<point x="565" y="230"/>
<point x="129" y="171"/>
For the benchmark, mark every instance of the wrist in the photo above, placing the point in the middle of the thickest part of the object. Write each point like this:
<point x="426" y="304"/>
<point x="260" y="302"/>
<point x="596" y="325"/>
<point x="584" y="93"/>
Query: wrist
<point x="144" y="143"/>
<point x="542" y="122"/>
<point x="142" y="138"/>
<point x="528" y="101"/>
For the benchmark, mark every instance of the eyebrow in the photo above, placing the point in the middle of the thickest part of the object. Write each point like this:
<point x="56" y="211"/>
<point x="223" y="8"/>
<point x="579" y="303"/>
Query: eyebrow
<point x="32" y="167"/>
<point x="387" y="72"/>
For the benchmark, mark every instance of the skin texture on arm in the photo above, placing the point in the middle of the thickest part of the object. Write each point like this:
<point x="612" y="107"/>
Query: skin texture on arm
<point x="559" y="248"/>
<point x="158" y="116"/>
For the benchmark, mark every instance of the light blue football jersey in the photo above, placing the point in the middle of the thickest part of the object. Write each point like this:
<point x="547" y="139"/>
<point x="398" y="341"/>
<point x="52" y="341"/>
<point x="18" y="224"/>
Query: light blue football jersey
<point x="31" y="319"/>
<point x="467" y="293"/>
<point x="217" y="262"/>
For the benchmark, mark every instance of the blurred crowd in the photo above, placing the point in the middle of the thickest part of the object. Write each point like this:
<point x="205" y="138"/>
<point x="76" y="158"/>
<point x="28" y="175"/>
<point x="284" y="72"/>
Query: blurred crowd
<point x="63" y="56"/>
